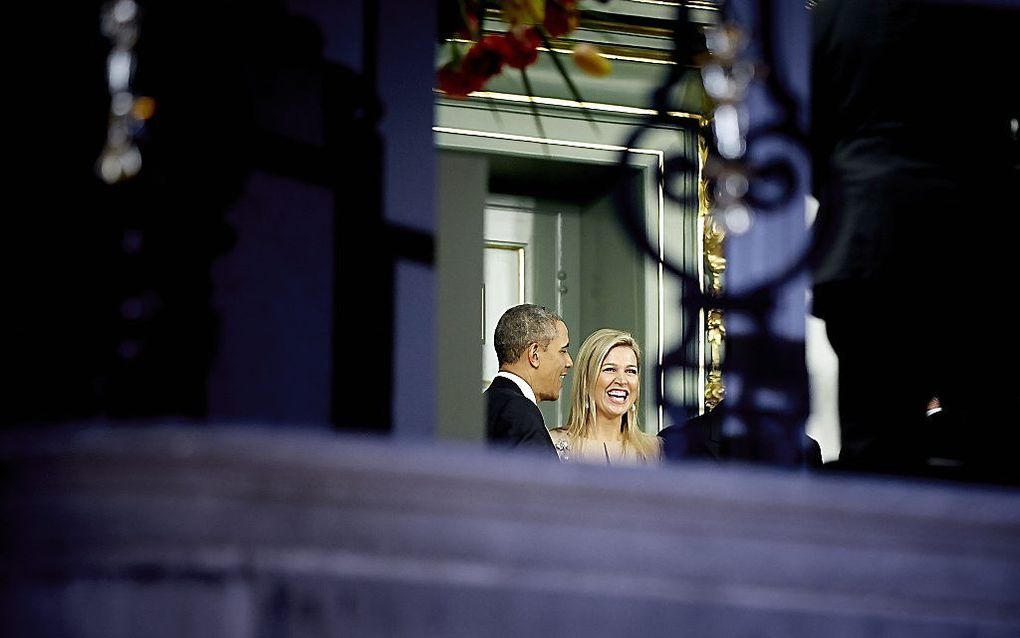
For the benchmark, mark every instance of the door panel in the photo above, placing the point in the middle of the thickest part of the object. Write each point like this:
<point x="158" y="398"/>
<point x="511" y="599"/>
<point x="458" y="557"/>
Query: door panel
<point x="502" y="288"/>
<point x="526" y="234"/>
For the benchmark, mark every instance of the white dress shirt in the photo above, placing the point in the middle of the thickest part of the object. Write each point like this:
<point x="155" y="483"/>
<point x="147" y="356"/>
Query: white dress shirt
<point x="521" y="383"/>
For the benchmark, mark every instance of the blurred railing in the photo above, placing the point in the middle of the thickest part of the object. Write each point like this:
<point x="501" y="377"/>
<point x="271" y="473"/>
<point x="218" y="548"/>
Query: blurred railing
<point x="175" y="531"/>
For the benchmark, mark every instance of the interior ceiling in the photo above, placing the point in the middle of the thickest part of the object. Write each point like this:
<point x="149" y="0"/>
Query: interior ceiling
<point x="547" y="178"/>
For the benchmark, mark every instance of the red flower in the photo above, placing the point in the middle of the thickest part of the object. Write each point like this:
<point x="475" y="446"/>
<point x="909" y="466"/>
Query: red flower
<point x="454" y="82"/>
<point x="485" y="58"/>
<point x="561" y="17"/>
<point x="521" y="47"/>
<point x="518" y="47"/>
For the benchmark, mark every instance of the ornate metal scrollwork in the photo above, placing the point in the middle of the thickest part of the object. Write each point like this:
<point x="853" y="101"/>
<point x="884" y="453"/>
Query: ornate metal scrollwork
<point x="745" y="177"/>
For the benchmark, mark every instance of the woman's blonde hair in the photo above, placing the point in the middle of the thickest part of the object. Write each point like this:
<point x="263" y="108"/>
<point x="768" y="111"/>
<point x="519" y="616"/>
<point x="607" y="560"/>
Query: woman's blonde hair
<point x="581" y="422"/>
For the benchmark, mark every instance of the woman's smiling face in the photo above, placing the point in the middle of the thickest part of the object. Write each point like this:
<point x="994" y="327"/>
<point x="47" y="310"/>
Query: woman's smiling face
<point x="616" y="388"/>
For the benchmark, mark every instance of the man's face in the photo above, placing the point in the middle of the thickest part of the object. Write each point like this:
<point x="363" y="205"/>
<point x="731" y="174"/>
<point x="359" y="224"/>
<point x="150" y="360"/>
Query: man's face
<point x="553" y="363"/>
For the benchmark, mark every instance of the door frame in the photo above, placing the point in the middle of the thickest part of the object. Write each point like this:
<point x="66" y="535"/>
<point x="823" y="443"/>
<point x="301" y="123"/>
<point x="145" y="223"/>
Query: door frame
<point x="509" y="128"/>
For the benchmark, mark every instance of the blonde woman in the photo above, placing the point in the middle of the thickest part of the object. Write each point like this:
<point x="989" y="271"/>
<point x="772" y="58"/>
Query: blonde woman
<point x="603" y="423"/>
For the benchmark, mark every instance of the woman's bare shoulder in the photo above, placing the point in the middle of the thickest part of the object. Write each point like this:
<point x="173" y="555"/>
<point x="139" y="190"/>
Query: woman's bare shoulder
<point x="559" y="435"/>
<point x="645" y="436"/>
<point x="561" y="441"/>
<point x="654" y="442"/>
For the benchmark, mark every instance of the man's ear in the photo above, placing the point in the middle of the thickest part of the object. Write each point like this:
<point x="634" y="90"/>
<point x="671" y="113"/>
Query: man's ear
<point x="533" y="354"/>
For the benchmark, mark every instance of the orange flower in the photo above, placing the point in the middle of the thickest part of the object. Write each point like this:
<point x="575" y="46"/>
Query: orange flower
<point x="589" y="60"/>
<point x="524" y="11"/>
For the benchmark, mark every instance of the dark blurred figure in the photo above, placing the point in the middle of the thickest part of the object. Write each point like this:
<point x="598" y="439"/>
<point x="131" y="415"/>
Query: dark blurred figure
<point x="916" y="170"/>
<point x="701" y="438"/>
<point x="945" y="445"/>
<point x="108" y="289"/>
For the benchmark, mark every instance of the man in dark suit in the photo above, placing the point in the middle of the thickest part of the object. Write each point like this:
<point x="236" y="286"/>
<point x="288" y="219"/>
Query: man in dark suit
<point x="531" y="346"/>
<point x="915" y="167"/>
<point x="701" y="438"/>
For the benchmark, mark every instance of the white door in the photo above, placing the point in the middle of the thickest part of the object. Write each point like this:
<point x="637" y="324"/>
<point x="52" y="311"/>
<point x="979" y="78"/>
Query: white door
<point x="525" y="261"/>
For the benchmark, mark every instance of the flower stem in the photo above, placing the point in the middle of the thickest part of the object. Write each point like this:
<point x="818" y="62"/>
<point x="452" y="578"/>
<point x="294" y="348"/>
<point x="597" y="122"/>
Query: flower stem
<point x="566" y="78"/>
<point x="534" y="108"/>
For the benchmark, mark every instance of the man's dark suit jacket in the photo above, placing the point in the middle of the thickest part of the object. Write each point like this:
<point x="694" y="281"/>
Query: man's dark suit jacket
<point x="701" y="437"/>
<point x="902" y="183"/>
<point x="513" y="420"/>
<point x="898" y="176"/>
